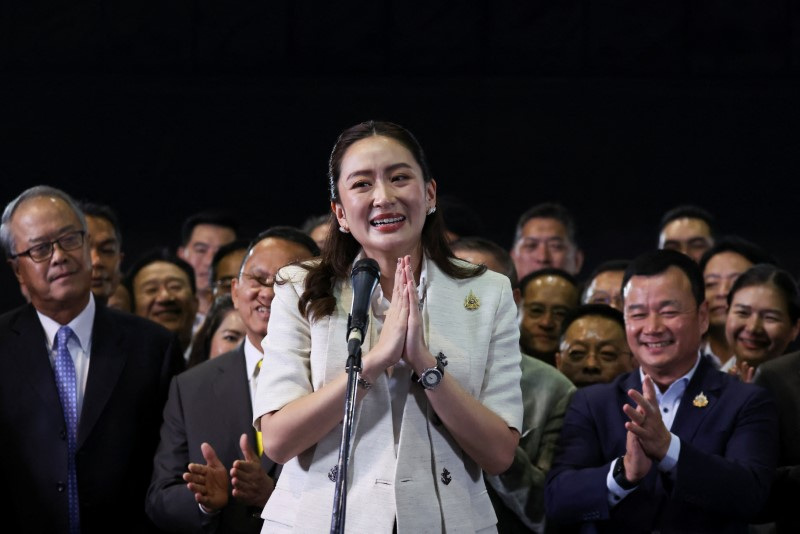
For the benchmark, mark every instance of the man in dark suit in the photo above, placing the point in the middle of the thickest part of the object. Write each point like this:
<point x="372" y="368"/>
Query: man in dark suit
<point x="208" y="417"/>
<point x="81" y="386"/>
<point x="675" y="446"/>
<point x="782" y="377"/>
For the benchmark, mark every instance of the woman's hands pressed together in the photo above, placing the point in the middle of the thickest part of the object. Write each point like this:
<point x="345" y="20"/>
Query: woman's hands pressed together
<point x="401" y="336"/>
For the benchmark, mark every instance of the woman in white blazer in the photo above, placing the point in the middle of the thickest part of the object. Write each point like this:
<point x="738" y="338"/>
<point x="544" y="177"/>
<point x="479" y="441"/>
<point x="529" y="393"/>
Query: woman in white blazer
<point x="417" y="450"/>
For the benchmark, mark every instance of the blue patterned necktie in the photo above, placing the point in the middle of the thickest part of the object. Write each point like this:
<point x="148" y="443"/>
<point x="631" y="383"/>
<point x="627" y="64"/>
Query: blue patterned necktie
<point x="67" y="382"/>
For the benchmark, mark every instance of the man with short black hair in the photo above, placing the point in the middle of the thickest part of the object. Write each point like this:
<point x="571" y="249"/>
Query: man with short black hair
<point x="605" y="284"/>
<point x="225" y="266"/>
<point x="105" y="246"/>
<point x="545" y="238"/>
<point x="81" y="386"/>
<point x="201" y="236"/>
<point x="690" y="450"/>
<point x="548" y="295"/>
<point x="162" y="289"/>
<point x="687" y="229"/>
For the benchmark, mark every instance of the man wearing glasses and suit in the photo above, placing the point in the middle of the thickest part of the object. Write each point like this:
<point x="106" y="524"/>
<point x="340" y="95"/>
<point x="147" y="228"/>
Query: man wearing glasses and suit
<point x="81" y="386"/>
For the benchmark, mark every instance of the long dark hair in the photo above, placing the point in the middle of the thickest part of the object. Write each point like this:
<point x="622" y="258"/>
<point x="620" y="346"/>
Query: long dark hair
<point x="340" y="249"/>
<point x="201" y="345"/>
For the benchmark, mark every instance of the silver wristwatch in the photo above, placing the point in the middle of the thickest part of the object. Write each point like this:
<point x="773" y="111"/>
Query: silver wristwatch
<point x="432" y="376"/>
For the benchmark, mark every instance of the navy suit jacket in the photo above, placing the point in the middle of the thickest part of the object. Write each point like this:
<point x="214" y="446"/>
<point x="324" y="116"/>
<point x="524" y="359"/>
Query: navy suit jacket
<point x="725" y="467"/>
<point x="208" y="403"/>
<point x="130" y="365"/>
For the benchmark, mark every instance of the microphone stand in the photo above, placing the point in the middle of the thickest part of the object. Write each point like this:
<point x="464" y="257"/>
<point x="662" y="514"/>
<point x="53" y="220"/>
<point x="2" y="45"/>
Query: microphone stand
<point x="340" y="493"/>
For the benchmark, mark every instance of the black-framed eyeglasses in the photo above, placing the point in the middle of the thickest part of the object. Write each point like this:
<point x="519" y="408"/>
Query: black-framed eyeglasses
<point x="44" y="251"/>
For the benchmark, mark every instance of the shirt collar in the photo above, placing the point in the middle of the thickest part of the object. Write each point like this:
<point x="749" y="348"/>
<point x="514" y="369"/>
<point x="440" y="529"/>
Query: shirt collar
<point x="680" y="383"/>
<point x="81" y="325"/>
<point x="251" y="356"/>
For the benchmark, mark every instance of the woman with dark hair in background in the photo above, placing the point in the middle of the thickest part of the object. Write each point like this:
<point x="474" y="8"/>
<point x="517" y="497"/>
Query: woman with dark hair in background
<point x="221" y="332"/>
<point x="422" y="431"/>
<point x="763" y="318"/>
<point x="721" y="265"/>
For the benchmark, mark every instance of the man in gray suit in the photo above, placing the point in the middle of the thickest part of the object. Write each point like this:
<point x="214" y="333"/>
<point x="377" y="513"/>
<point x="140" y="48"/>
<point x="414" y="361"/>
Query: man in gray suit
<point x="518" y="493"/>
<point x="207" y="419"/>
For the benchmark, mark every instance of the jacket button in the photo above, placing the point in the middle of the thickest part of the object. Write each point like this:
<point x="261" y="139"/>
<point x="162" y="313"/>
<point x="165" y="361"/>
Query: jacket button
<point x="60" y="486"/>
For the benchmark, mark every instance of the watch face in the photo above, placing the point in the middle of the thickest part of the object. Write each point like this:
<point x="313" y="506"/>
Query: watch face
<point x="431" y="378"/>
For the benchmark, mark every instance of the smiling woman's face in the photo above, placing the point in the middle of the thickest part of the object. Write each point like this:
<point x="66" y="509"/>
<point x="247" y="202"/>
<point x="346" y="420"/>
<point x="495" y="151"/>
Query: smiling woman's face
<point x="758" y="326"/>
<point x="383" y="198"/>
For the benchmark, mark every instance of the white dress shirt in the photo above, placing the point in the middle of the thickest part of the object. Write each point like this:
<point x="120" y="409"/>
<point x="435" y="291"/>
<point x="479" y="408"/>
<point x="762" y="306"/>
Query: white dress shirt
<point x="79" y="348"/>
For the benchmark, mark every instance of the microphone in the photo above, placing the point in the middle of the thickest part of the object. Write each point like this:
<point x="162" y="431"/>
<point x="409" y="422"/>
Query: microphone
<point x="364" y="278"/>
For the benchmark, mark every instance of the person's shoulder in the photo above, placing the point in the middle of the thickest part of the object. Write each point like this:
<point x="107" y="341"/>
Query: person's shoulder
<point x="597" y="393"/>
<point x="9" y="318"/>
<point x="295" y="273"/>
<point x="488" y="277"/>
<point x="125" y="321"/>
<point x="782" y="364"/>
<point x="539" y="373"/>
<point x="214" y="366"/>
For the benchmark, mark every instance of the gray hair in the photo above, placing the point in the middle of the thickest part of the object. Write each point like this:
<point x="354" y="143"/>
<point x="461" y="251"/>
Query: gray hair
<point x="6" y="236"/>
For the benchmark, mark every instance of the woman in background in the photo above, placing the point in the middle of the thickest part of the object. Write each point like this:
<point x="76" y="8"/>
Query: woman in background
<point x="763" y="318"/>
<point x="221" y="332"/>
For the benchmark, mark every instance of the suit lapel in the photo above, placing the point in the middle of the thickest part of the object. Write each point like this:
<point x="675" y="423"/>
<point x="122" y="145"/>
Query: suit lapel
<point x="699" y="399"/>
<point x="106" y="362"/>
<point x="33" y="361"/>
<point x="232" y="388"/>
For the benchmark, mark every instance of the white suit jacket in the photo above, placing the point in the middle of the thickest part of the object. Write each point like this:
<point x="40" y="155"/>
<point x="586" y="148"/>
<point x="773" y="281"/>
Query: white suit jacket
<point x="430" y="485"/>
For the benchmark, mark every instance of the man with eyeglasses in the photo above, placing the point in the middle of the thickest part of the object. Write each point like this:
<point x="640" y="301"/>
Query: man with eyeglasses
<point x="81" y="386"/>
<point x="604" y="285"/>
<point x="593" y="346"/>
<point x="208" y="417"/>
<point x="225" y="266"/>
<point x="548" y="295"/>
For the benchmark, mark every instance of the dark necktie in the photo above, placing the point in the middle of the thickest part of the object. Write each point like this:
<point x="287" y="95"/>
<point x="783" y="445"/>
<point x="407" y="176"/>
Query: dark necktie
<point x="67" y="382"/>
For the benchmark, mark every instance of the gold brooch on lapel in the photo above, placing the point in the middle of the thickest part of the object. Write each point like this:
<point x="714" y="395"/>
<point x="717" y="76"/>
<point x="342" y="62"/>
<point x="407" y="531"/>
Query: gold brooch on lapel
<point x="472" y="302"/>
<point x="701" y="401"/>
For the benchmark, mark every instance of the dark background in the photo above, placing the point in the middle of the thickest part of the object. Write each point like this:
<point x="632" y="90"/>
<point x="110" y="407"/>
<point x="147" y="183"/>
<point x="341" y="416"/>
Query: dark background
<point x="619" y="109"/>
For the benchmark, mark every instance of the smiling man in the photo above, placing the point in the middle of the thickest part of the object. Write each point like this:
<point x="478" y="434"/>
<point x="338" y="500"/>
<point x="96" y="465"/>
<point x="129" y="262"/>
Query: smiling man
<point x="162" y="289"/>
<point x="81" y="385"/>
<point x="674" y="446"/>
<point x="207" y="439"/>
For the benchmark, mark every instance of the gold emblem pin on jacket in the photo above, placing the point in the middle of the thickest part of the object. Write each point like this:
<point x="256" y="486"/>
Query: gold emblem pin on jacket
<point x="701" y="401"/>
<point x="472" y="302"/>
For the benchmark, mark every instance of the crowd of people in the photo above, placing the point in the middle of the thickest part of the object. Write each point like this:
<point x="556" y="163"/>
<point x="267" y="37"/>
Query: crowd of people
<point x="202" y="390"/>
